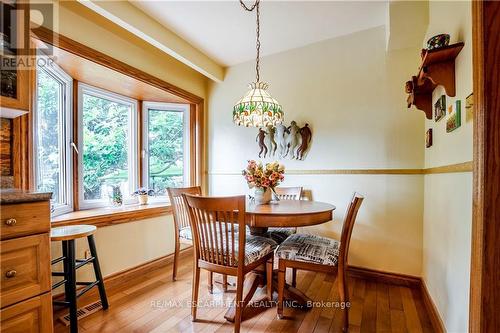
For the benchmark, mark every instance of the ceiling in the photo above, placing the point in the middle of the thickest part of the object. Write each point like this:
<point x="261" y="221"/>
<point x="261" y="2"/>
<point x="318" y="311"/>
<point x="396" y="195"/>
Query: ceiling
<point x="226" y="33"/>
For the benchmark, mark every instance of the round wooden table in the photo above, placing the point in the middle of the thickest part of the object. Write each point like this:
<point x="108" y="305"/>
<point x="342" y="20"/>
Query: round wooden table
<point x="287" y="213"/>
<point x="283" y="213"/>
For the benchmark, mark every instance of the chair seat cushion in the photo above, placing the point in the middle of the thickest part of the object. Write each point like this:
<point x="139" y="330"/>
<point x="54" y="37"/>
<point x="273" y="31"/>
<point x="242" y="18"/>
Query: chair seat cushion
<point x="257" y="247"/>
<point x="186" y="233"/>
<point x="309" y="248"/>
<point x="279" y="234"/>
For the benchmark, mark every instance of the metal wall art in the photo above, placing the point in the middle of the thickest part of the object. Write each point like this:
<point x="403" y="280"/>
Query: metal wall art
<point x="285" y="142"/>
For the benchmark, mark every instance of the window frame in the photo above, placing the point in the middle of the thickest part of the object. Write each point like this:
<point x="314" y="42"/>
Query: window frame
<point x="187" y="137"/>
<point x="65" y="141"/>
<point x="84" y="88"/>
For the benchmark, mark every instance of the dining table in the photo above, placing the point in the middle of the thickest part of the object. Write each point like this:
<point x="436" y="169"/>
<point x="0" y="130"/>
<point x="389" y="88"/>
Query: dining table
<point x="282" y="213"/>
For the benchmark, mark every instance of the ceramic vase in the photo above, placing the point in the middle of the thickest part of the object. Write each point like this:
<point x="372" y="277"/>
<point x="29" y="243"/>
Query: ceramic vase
<point x="263" y="195"/>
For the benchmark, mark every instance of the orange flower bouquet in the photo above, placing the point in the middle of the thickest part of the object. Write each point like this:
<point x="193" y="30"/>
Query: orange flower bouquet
<point x="263" y="178"/>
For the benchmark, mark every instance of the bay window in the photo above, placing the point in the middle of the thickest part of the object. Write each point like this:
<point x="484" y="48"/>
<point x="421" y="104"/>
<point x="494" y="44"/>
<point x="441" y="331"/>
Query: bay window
<point x="107" y="141"/>
<point x="166" y="150"/>
<point x="99" y="131"/>
<point x="52" y="136"/>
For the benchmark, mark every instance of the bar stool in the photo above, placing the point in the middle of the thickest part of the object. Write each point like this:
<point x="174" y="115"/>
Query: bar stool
<point x="67" y="235"/>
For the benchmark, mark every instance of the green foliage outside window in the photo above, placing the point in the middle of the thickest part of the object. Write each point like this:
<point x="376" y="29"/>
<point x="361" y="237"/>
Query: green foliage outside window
<point x="166" y="149"/>
<point x="105" y="143"/>
<point x="47" y="134"/>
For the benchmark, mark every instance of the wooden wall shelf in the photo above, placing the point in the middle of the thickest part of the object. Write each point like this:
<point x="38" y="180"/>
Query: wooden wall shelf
<point x="437" y="69"/>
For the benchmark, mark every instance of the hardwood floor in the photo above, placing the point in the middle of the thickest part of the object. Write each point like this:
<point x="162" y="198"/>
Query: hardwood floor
<point x="156" y="304"/>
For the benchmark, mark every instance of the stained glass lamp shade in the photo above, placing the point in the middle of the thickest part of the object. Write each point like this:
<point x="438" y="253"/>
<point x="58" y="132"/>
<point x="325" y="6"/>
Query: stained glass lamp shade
<point x="257" y="108"/>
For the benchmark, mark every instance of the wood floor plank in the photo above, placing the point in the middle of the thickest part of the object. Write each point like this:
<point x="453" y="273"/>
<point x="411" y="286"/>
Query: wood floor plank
<point x="395" y="298"/>
<point x="383" y="312"/>
<point x="410" y="311"/>
<point x="338" y="314"/>
<point x="360" y="288"/>
<point x="312" y="317"/>
<point x="325" y="319"/>
<point x="355" y="310"/>
<point x="398" y="321"/>
<point x="136" y="306"/>
<point x="421" y="311"/>
<point x="369" y="321"/>
<point x="298" y="315"/>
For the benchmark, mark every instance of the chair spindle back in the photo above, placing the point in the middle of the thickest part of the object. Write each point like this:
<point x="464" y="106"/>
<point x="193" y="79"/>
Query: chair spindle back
<point x="215" y="238"/>
<point x="181" y="214"/>
<point x="288" y="193"/>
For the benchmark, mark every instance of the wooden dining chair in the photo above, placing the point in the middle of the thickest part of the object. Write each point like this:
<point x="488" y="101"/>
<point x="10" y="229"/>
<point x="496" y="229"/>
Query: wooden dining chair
<point x="279" y="234"/>
<point x="319" y="254"/>
<point x="221" y="249"/>
<point x="288" y="193"/>
<point x="183" y="232"/>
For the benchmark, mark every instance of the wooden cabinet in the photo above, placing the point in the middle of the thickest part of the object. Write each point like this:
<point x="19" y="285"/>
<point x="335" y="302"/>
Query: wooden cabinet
<point x="25" y="289"/>
<point x="15" y="74"/>
<point x="25" y="268"/>
<point x="24" y="219"/>
<point x="33" y="315"/>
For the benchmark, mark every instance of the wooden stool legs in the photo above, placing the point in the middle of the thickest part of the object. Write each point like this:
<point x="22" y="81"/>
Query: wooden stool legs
<point x="97" y="271"/>
<point x="70" y="285"/>
<point x="70" y="265"/>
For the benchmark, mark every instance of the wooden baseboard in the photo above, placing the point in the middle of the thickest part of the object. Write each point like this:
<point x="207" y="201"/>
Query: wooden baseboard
<point x="436" y="321"/>
<point x="385" y="277"/>
<point x="119" y="278"/>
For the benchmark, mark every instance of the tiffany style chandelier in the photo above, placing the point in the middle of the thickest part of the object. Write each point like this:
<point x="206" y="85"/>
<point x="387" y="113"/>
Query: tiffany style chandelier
<point x="257" y="108"/>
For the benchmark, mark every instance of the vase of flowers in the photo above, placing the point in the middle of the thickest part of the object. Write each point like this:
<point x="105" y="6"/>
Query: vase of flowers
<point x="263" y="179"/>
<point x="262" y="195"/>
<point x="143" y="194"/>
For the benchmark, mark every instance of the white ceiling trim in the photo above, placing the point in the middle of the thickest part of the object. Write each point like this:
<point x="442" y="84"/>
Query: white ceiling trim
<point x="146" y="37"/>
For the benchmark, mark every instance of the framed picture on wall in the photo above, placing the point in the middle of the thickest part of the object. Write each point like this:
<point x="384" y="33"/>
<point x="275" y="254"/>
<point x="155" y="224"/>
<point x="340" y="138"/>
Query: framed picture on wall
<point x="454" y="117"/>
<point x="428" y="138"/>
<point x="440" y="108"/>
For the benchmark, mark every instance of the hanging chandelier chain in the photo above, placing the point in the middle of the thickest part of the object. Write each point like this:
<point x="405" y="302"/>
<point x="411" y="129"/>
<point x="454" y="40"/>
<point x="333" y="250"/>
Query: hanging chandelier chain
<point x="255" y="6"/>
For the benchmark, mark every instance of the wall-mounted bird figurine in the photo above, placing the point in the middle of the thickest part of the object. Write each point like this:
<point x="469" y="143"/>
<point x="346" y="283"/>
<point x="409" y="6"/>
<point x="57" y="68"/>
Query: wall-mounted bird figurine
<point x="306" y="135"/>
<point x="261" y="137"/>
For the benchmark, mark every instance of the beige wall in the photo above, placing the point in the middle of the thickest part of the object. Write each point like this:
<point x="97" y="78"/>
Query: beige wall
<point x="126" y="245"/>
<point x="448" y="197"/>
<point x="350" y="91"/>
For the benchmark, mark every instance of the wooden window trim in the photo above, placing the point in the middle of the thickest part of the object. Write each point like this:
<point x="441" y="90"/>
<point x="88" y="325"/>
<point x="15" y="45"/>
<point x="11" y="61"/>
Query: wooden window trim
<point x="102" y="217"/>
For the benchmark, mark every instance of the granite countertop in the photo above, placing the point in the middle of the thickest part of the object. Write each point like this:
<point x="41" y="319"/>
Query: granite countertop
<point x="8" y="196"/>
